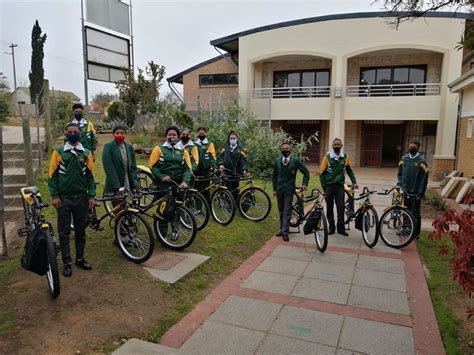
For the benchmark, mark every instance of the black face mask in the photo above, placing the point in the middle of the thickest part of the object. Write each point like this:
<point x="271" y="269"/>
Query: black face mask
<point x="185" y="139"/>
<point x="413" y="151"/>
<point x="285" y="153"/>
<point x="337" y="150"/>
<point x="78" y="115"/>
<point x="202" y="137"/>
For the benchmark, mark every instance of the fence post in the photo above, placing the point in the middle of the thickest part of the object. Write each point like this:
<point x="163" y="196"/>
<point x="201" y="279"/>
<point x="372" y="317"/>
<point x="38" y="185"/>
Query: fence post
<point x="2" y="201"/>
<point x="47" y="117"/>
<point x="27" y="151"/>
<point x="38" y="140"/>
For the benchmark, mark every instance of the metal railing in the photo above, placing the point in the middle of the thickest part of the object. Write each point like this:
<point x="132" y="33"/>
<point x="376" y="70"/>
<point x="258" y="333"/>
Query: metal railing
<point x="394" y="90"/>
<point x="291" y="92"/>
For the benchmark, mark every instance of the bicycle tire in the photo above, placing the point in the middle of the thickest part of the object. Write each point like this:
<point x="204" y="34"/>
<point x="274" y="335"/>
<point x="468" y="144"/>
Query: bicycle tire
<point x="297" y="212"/>
<point x="321" y="238"/>
<point x="389" y="214"/>
<point x="367" y="222"/>
<point x="182" y="213"/>
<point x="248" y="196"/>
<point x="52" y="274"/>
<point x="123" y="243"/>
<point x="348" y="207"/>
<point x="144" y="180"/>
<point x="219" y="197"/>
<point x="202" y="213"/>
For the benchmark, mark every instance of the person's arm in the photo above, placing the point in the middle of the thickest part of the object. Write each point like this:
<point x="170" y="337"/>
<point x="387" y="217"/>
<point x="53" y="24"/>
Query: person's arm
<point x="221" y="159"/>
<point x="350" y="172"/>
<point x="322" y="169"/>
<point x="275" y="175"/>
<point x="194" y="157"/>
<point x="187" y="167"/>
<point x="400" y="172"/>
<point x="90" y="176"/>
<point x="423" y="179"/>
<point x="213" y="157"/>
<point x="244" y="166"/>
<point x="91" y="129"/>
<point x="109" y="168"/>
<point x="304" y="170"/>
<point x="133" y="169"/>
<point x="153" y="164"/>
<point x="53" y="175"/>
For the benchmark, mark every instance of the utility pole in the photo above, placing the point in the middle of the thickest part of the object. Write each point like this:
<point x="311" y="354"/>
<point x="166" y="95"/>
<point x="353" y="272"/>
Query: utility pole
<point x="131" y="40"/>
<point x="12" y="46"/>
<point x="84" y="56"/>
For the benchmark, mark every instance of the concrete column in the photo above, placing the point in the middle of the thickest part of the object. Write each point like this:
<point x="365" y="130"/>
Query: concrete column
<point x="338" y="74"/>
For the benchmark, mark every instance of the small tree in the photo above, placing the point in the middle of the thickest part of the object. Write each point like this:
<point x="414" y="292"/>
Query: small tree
<point x="37" y="71"/>
<point x="4" y="107"/>
<point x="60" y="114"/>
<point x="101" y="101"/>
<point x="172" y="111"/>
<point x="119" y="112"/>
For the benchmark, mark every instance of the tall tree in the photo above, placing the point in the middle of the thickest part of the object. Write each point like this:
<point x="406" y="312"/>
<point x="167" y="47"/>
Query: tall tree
<point x="37" y="71"/>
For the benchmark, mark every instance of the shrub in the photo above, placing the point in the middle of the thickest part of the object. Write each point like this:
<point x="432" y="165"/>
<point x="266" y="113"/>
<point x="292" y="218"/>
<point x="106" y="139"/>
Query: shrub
<point x="61" y="114"/>
<point x="4" y="107"/>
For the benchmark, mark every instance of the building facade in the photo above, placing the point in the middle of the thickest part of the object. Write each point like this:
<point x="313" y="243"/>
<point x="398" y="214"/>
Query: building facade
<point x="354" y="77"/>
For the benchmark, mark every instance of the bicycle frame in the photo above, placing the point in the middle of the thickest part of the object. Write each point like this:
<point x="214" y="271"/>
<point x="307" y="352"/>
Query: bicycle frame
<point x="316" y="196"/>
<point x="365" y="204"/>
<point x="34" y="218"/>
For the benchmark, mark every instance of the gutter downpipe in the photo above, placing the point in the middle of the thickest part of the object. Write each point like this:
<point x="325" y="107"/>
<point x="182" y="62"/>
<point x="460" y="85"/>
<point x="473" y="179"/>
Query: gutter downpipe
<point x="229" y="59"/>
<point x="458" y="124"/>
<point x="175" y="92"/>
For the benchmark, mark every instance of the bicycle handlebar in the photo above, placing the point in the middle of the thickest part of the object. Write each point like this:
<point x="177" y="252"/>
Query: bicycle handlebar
<point x="398" y="188"/>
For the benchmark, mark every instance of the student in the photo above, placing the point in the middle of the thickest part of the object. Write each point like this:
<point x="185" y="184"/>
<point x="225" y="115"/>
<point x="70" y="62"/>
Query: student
<point x="413" y="177"/>
<point x="190" y="147"/>
<point x="207" y="161"/>
<point x="72" y="188"/>
<point x="285" y="169"/>
<point x="119" y="163"/>
<point x="234" y="159"/>
<point x="88" y="137"/>
<point x="333" y="168"/>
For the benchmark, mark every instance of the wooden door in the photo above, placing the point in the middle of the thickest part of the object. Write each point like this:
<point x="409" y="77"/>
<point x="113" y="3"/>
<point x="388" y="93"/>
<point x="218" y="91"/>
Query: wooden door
<point x="372" y="135"/>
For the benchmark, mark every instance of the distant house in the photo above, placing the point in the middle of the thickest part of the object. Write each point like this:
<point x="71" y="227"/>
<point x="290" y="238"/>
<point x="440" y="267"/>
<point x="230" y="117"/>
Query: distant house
<point x="21" y="104"/>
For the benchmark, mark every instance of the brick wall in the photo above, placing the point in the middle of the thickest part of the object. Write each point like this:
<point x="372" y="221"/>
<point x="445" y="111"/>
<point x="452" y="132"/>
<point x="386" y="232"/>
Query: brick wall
<point x="200" y="97"/>
<point x="465" y="155"/>
<point x="433" y="60"/>
<point x="441" y="168"/>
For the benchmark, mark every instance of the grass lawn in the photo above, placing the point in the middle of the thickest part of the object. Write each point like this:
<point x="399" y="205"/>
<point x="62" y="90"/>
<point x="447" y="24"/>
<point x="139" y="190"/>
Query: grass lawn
<point x="449" y="301"/>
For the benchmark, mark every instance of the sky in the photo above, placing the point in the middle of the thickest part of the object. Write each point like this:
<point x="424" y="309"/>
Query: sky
<point x="173" y="33"/>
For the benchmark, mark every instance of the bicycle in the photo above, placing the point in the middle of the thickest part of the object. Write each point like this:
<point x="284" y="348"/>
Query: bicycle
<point x="298" y="216"/>
<point x="132" y="233"/>
<point x="366" y="217"/>
<point x="35" y="222"/>
<point x="397" y="223"/>
<point x="193" y="199"/>
<point x="253" y="202"/>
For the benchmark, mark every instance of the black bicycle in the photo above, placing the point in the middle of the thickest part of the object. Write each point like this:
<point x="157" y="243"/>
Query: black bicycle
<point x="366" y="217"/>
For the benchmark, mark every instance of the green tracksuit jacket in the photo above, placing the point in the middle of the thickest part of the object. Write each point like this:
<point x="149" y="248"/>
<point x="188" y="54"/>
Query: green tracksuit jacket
<point x="235" y="161"/>
<point x="333" y="169"/>
<point x="284" y="176"/>
<point x="413" y="174"/>
<point x="166" y="160"/>
<point x="207" y="155"/>
<point x="114" y="167"/>
<point x="88" y="136"/>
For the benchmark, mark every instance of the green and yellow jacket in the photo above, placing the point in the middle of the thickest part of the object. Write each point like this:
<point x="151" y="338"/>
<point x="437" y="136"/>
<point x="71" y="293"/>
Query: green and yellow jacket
<point x="88" y="136"/>
<point x="284" y="176"/>
<point x="193" y="152"/>
<point x="114" y="167"/>
<point x="235" y="160"/>
<point x="413" y="174"/>
<point x="207" y="155"/>
<point x="71" y="172"/>
<point x="166" y="160"/>
<point x="333" y="169"/>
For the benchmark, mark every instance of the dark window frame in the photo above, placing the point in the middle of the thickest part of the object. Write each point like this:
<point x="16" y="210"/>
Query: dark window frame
<point x="392" y="67"/>
<point x="471" y="66"/>
<point x="325" y="70"/>
<point x="201" y="76"/>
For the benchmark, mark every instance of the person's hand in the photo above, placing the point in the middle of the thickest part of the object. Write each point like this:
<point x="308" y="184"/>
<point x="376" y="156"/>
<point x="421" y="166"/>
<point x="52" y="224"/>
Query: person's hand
<point x="304" y="188"/>
<point x="183" y="185"/>
<point x="56" y="202"/>
<point x="356" y="186"/>
<point x="93" y="156"/>
<point x="92" y="203"/>
<point x="166" y="178"/>
<point x="221" y="167"/>
<point x="246" y="173"/>
<point x="396" y="187"/>
<point x="274" y="193"/>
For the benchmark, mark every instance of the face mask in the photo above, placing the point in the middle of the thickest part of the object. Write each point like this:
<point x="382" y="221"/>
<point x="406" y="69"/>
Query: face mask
<point x="285" y="153"/>
<point x="78" y="115"/>
<point x="185" y="139"/>
<point x="119" y="139"/>
<point x="73" y="138"/>
<point x="172" y="141"/>
<point x="413" y="151"/>
<point x="232" y="141"/>
<point x="202" y="137"/>
<point x="337" y="150"/>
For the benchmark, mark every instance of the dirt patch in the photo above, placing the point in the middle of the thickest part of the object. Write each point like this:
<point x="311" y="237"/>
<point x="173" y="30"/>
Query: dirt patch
<point x="429" y="210"/>
<point x="92" y="311"/>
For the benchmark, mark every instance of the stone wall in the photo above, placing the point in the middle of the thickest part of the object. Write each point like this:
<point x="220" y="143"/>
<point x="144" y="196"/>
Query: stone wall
<point x="465" y="154"/>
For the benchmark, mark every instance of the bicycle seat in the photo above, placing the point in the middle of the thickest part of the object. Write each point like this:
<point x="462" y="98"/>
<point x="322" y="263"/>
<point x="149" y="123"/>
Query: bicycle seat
<point x="31" y="190"/>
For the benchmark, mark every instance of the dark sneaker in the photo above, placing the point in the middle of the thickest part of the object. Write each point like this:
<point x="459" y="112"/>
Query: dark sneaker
<point x="83" y="264"/>
<point x="344" y="233"/>
<point x="285" y="237"/>
<point x="279" y="234"/>
<point x="67" y="270"/>
<point x="331" y="231"/>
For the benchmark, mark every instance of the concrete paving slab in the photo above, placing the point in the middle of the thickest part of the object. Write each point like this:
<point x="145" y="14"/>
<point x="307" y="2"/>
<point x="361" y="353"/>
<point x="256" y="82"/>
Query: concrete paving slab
<point x="177" y="271"/>
<point x="220" y="338"/>
<point x="378" y="299"/>
<point x="345" y="242"/>
<point x="247" y="313"/>
<point x="380" y="247"/>
<point x="276" y="344"/>
<point x="347" y="352"/>
<point x="322" y="290"/>
<point x="376" y="337"/>
<point x="283" y="266"/>
<point x="270" y="282"/>
<point x="288" y="252"/>
<point x="380" y="279"/>
<point x="141" y="347"/>
<point x="337" y="273"/>
<point x="309" y="325"/>
<point x="335" y="258"/>
<point x="380" y="264"/>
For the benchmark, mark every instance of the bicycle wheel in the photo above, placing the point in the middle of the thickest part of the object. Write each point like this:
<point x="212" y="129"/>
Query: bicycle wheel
<point x="178" y="233"/>
<point x="254" y="204"/>
<point x="199" y="207"/>
<point x="145" y="179"/>
<point x="321" y="233"/>
<point x="134" y="237"/>
<point x="370" y="226"/>
<point x="222" y="206"/>
<point x="397" y="227"/>
<point x="297" y="211"/>
<point x="52" y="274"/>
<point x="348" y="207"/>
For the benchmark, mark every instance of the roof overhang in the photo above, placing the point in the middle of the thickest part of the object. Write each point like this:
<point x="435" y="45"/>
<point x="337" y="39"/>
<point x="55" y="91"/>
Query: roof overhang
<point x="461" y="83"/>
<point x="178" y="78"/>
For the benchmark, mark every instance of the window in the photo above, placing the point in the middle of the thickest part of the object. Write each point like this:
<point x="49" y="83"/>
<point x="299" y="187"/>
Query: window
<point x="393" y="75"/>
<point x="469" y="127"/>
<point x="303" y="78"/>
<point x="219" y="79"/>
<point x="472" y="65"/>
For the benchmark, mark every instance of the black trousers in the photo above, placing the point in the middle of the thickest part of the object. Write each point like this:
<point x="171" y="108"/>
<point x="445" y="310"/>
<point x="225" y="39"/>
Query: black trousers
<point x="233" y="185"/>
<point x="414" y="205"/>
<point x="284" y="207"/>
<point x="77" y="208"/>
<point x="335" y="193"/>
<point x="202" y="185"/>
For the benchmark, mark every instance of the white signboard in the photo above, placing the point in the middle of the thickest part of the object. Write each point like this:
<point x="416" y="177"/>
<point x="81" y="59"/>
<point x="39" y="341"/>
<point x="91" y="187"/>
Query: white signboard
<point x="112" y="14"/>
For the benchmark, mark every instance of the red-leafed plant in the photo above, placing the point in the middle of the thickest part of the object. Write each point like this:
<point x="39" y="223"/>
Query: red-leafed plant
<point x="459" y="227"/>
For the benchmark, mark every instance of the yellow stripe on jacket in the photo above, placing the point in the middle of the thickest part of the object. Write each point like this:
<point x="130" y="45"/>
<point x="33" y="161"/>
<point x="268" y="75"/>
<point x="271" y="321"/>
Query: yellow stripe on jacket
<point x="324" y="165"/>
<point x="54" y="163"/>
<point x="154" y="157"/>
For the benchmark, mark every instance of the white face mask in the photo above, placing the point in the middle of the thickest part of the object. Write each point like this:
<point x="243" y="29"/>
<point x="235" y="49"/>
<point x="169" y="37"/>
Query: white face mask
<point x="232" y="141"/>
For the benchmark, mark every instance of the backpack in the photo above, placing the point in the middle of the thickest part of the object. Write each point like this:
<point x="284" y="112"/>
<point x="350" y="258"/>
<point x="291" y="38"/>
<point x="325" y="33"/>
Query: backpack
<point x="35" y="255"/>
<point x="166" y="208"/>
<point x="312" y="222"/>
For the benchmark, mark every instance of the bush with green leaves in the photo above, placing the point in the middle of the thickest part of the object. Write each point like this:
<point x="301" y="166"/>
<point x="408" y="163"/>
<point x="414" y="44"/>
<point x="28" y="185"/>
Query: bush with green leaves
<point x="4" y="107"/>
<point x="258" y="139"/>
<point x="61" y="114"/>
<point x="119" y="112"/>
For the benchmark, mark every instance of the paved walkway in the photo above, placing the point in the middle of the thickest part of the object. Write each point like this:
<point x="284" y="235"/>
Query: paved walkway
<point x="14" y="134"/>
